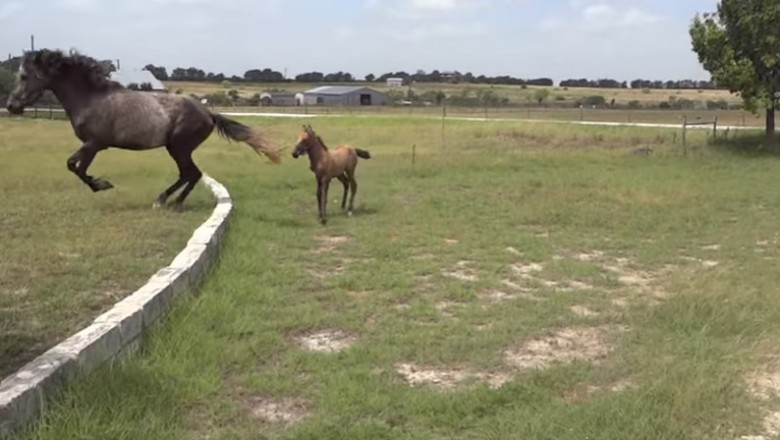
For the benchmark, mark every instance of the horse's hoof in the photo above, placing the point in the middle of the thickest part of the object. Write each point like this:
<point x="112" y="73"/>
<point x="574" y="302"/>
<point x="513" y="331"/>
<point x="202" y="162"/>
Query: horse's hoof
<point x="101" y="185"/>
<point x="157" y="205"/>
<point x="323" y="221"/>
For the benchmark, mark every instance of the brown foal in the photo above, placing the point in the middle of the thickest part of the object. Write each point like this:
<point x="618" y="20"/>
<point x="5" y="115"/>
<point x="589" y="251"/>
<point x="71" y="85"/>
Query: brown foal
<point x="326" y="164"/>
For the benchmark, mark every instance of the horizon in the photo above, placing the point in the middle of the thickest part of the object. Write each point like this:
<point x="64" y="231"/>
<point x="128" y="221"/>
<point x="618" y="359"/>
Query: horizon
<point x="592" y="39"/>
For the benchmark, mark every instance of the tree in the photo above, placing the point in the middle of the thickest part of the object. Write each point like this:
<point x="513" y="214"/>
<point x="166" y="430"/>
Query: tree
<point x="158" y="72"/>
<point x="738" y="45"/>
<point x="370" y="77"/>
<point x="541" y="95"/>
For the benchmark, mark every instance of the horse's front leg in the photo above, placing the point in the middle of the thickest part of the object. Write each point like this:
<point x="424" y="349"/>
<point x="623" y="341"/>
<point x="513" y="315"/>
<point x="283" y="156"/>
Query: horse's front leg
<point x="79" y="162"/>
<point x="324" y="200"/>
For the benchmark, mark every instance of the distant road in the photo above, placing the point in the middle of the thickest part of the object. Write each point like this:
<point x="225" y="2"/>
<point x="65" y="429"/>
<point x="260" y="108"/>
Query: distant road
<point x="464" y="118"/>
<point x="473" y="119"/>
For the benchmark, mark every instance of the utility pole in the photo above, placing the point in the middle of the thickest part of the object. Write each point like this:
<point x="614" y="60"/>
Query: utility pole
<point x="32" y="42"/>
<point x="118" y="67"/>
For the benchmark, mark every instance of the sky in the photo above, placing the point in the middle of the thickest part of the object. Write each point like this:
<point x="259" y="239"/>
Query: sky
<point x="559" y="39"/>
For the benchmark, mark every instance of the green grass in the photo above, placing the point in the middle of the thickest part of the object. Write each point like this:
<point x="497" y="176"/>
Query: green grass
<point x="68" y="254"/>
<point x="497" y="195"/>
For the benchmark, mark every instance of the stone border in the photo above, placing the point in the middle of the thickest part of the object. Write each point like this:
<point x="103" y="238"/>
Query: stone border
<point x="24" y="394"/>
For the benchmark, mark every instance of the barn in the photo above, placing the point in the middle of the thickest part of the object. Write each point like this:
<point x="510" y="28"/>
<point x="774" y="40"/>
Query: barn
<point x="137" y="77"/>
<point x="344" y="95"/>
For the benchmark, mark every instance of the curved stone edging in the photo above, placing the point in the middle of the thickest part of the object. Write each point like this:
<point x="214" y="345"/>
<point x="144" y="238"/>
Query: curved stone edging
<point x="24" y="394"/>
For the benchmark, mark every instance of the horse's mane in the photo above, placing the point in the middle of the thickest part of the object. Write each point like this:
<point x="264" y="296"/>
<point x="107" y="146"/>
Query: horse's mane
<point x="54" y="63"/>
<point x="322" y="143"/>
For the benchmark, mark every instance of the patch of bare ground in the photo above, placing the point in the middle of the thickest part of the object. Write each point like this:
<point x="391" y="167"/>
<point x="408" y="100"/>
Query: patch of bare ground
<point x="705" y="263"/>
<point x="583" y="311"/>
<point x="462" y="272"/>
<point x="285" y="412"/>
<point x="764" y="385"/>
<point x="447" y="379"/>
<point x="326" y="341"/>
<point x="446" y="307"/>
<point x="330" y="243"/>
<point x="498" y="296"/>
<point x="451" y="241"/>
<point x="586" y="344"/>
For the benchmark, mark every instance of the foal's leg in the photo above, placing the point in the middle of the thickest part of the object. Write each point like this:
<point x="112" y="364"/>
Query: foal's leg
<point x="79" y="162"/>
<point x="344" y="181"/>
<point x="353" y="188"/>
<point x="324" y="200"/>
<point x="319" y="198"/>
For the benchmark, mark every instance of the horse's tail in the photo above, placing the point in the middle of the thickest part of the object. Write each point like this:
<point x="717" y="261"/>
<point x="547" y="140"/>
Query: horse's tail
<point x="230" y="129"/>
<point x="363" y="154"/>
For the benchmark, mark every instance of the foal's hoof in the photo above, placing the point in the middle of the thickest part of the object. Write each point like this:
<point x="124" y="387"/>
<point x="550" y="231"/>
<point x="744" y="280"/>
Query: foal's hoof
<point x="101" y="185"/>
<point x="323" y="221"/>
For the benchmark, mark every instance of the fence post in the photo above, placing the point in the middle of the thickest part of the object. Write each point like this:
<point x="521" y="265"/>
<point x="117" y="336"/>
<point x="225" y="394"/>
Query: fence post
<point x="443" y="116"/>
<point x="36" y="112"/>
<point x="414" y="152"/>
<point x="715" y="128"/>
<point x="51" y="113"/>
<point x="684" y="133"/>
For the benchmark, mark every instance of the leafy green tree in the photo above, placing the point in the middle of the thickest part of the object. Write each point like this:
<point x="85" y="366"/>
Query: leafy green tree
<point x="740" y="46"/>
<point x="541" y="95"/>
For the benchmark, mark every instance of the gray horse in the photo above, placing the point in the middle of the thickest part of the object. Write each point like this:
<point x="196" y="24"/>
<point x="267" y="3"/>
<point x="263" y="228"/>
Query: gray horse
<point x="105" y="114"/>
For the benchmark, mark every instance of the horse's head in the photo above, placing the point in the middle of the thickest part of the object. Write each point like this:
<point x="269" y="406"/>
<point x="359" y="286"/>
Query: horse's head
<point x="33" y="78"/>
<point x="306" y="141"/>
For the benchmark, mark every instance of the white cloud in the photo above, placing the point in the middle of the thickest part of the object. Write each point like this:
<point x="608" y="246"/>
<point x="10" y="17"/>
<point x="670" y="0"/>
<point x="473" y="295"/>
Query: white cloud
<point x="424" y="9"/>
<point x="599" y="17"/>
<point x="446" y="30"/>
<point x="8" y="9"/>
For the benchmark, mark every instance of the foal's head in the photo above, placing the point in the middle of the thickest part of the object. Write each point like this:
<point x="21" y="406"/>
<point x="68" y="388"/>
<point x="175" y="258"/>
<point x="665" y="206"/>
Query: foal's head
<point x="306" y="141"/>
<point x="40" y="70"/>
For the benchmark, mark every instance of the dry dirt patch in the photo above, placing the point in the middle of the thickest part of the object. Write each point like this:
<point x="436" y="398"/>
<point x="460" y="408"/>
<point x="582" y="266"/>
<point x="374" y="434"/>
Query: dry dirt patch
<point x="765" y="385"/>
<point x="583" y="311"/>
<point x="587" y="344"/>
<point x="326" y="341"/>
<point x="446" y="379"/>
<point x="276" y="411"/>
<point x="330" y="243"/>
<point x="462" y="272"/>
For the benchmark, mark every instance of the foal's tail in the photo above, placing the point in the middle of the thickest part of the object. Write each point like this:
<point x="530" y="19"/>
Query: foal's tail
<point x="363" y="154"/>
<point x="230" y="129"/>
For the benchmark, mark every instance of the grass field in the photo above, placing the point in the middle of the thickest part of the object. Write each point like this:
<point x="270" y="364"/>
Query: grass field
<point x="530" y="281"/>
<point x="517" y="94"/>
<point x="68" y="254"/>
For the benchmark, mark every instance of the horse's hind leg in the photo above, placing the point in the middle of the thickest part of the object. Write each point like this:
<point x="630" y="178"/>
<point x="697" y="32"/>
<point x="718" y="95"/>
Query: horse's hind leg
<point x="344" y="181"/>
<point x="79" y="162"/>
<point x="182" y="165"/>
<point x="353" y="191"/>
<point x="193" y="175"/>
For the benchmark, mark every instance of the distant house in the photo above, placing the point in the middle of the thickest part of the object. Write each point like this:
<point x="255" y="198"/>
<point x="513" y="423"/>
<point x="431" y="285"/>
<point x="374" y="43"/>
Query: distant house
<point x="287" y="99"/>
<point x="344" y="95"/>
<point x="138" y="77"/>
<point x="395" y="82"/>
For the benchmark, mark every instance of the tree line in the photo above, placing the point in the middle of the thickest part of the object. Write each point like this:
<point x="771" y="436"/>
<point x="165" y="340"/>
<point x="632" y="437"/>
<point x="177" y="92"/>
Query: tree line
<point x="271" y="76"/>
<point x="607" y="83"/>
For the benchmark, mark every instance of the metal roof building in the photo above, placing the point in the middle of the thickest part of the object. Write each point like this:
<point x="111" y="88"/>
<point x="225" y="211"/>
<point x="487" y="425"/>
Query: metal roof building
<point x="344" y="95"/>
<point x="127" y="77"/>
